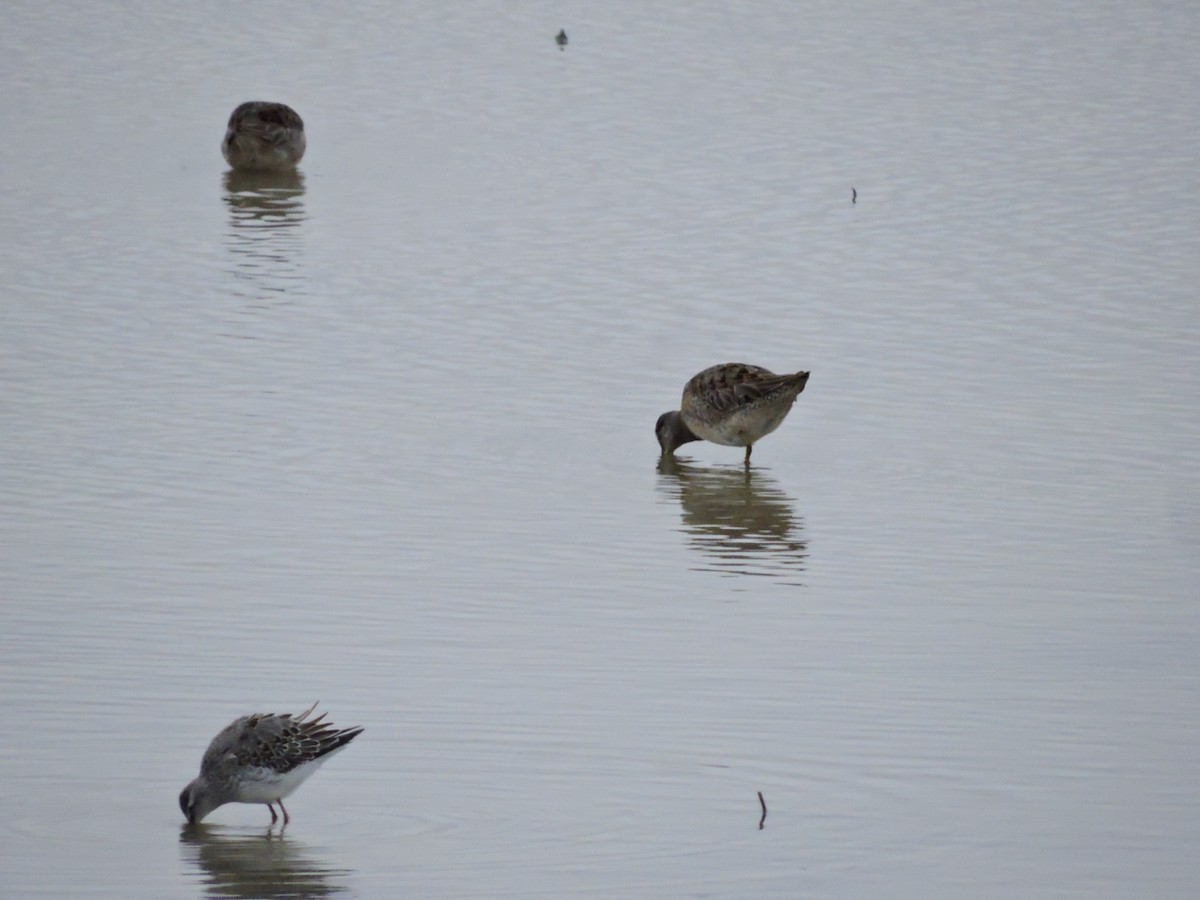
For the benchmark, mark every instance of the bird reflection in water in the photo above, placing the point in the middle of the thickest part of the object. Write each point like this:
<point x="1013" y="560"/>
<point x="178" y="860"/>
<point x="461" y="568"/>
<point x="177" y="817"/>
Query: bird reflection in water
<point x="738" y="518"/>
<point x="241" y="864"/>
<point x="266" y="210"/>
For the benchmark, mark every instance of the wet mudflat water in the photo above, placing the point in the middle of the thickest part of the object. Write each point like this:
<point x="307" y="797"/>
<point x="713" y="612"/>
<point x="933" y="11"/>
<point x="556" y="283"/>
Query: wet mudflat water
<point x="381" y="434"/>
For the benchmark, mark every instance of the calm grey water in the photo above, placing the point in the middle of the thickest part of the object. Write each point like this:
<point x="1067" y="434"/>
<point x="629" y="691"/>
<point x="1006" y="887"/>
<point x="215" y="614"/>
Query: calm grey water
<point x="382" y="435"/>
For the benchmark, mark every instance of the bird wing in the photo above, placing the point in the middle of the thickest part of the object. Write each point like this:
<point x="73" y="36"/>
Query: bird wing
<point x="272" y="123"/>
<point x="729" y="386"/>
<point x="280" y="742"/>
<point x="281" y="116"/>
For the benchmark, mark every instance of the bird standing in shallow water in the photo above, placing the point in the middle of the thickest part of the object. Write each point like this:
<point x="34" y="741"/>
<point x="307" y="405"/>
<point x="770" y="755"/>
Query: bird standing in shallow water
<point x="261" y="759"/>
<point x="263" y="136"/>
<point x="561" y="38"/>
<point x="733" y="404"/>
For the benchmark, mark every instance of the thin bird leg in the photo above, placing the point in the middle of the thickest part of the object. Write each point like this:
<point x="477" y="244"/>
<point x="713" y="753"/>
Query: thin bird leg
<point x="274" y="818"/>
<point x="749" y="447"/>
<point x="286" y="819"/>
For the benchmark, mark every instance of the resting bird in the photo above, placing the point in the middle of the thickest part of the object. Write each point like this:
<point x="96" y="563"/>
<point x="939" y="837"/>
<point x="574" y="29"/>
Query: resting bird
<point x="733" y="404"/>
<point x="261" y="759"/>
<point x="263" y="136"/>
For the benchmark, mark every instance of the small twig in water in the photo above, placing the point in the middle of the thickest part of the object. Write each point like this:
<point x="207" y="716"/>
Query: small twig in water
<point x="763" y="804"/>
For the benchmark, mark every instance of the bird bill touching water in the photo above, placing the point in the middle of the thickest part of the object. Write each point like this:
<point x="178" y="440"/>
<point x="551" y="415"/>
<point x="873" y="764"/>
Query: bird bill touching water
<point x="262" y="758"/>
<point x="734" y="404"/>
<point x="263" y="137"/>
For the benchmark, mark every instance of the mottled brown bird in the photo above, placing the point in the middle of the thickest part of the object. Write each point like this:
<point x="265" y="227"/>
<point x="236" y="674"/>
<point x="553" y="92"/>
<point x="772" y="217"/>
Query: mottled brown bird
<point x="733" y="404"/>
<point x="263" y="136"/>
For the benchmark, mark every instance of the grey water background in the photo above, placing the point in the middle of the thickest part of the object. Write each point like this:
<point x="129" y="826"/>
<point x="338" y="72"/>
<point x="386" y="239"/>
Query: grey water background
<point x="381" y="435"/>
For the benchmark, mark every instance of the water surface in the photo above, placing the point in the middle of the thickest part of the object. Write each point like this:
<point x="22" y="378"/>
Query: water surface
<point x="381" y="434"/>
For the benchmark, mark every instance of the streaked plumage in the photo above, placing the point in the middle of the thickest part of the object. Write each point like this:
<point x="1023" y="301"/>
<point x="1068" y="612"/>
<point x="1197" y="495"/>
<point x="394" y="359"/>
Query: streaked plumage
<point x="261" y="759"/>
<point x="733" y="404"/>
<point x="263" y="136"/>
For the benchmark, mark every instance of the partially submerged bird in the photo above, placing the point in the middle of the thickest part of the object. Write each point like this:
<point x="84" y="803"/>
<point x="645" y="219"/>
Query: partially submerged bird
<point x="261" y="759"/>
<point x="263" y="136"/>
<point x="561" y="38"/>
<point x="733" y="404"/>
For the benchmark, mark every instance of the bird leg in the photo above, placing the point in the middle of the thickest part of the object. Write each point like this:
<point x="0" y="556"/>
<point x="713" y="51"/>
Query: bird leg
<point x="274" y="818"/>
<point x="749" y="447"/>
<point x="286" y="818"/>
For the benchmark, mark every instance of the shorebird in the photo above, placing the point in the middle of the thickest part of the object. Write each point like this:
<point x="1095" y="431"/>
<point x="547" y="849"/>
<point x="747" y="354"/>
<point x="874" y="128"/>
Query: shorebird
<point x="263" y="136"/>
<point x="733" y="404"/>
<point x="261" y="759"/>
<point x="561" y="38"/>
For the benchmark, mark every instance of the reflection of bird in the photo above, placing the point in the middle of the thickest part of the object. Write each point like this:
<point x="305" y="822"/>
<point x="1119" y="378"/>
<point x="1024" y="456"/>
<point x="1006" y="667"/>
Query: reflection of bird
<point x="263" y="135"/>
<point x="261" y="759"/>
<point x="234" y="865"/>
<point x="269" y="185"/>
<point x="265" y="237"/>
<point x="733" y="404"/>
<point x="738" y="518"/>
<point x="561" y="38"/>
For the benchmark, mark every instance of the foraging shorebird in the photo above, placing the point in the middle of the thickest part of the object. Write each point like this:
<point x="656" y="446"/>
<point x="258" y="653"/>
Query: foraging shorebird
<point x="561" y="38"/>
<point x="263" y="136"/>
<point x="261" y="759"/>
<point x="733" y="404"/>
